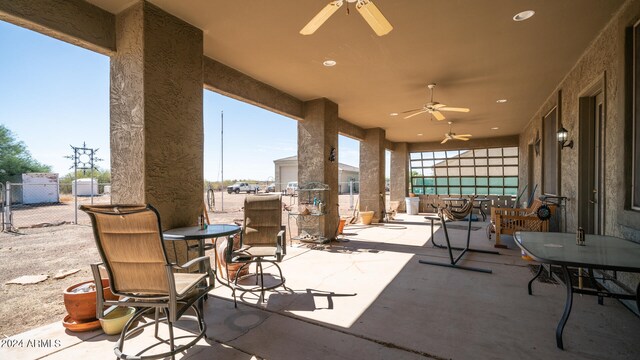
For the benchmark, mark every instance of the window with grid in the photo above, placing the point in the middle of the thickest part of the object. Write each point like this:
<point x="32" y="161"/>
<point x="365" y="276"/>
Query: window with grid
<point x="492" y="171"/>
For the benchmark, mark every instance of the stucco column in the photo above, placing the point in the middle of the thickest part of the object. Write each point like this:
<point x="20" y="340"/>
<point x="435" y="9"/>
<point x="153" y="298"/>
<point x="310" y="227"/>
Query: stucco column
<point x="399" y="174"/>
<point x="372" y="172"/>
<point x="317" y="136"/>
<point x="156" y="114"/>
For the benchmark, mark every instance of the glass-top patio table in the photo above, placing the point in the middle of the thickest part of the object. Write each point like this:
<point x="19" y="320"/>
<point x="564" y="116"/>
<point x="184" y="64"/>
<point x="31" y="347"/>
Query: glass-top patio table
<point x="600" y="252"/>
<point x="213" y="231"/>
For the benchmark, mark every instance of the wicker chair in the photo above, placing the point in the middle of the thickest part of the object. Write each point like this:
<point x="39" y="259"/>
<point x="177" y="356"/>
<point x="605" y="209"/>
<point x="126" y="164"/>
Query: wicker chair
<point x="509" y="220"/>
<point x="129" y="240"/>
<point x="262" y="240"/>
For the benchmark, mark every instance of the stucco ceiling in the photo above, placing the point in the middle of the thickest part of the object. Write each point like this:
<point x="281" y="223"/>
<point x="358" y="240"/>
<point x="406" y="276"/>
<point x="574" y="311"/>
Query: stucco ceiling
<point x="472" y="49"/>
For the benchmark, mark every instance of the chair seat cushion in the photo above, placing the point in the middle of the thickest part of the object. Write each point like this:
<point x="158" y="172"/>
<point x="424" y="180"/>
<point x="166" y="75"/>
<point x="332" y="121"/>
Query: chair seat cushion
<point x="186" y="281"/>
<point x="261" y="251"/>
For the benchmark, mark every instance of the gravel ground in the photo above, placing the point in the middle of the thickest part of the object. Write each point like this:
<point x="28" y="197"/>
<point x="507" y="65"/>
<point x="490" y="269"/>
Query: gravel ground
<point x="41" y="251"/>
<point x="47" y="250"/>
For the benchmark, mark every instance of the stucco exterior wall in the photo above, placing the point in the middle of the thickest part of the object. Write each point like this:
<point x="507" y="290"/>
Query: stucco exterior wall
<point x="399" y="181"/>
<point x="372" y="165"/>
<point x="74" y="21"/>
<point x="156" y="114"/>
<point x="317" y="135"/>
<point x="234" y="84"/>
<point x="604" y="60"/>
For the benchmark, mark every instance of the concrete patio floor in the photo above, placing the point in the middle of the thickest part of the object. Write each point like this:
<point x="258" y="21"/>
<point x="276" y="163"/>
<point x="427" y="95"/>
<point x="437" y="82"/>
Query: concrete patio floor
<point x="369" y="298"/>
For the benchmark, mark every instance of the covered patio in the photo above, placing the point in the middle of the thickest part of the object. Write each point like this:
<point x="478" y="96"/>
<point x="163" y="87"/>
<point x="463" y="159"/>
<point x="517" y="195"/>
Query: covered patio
<point x="565" y="74"/>
<point x="371" y="298"/>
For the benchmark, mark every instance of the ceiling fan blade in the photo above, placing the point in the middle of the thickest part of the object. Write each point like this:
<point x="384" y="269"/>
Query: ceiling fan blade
<point x="321" y="17"/>
<point x="374" y="17"/>
<point x="418" y="113"/>
<point x="445" y="140"/>
<point x="465" y="135"/>
<point x="438" y="106"/>
<point x="408" y="111"/>
<point x="448" y="108"/>
<point x="438" y="115"/>
<point x="463" y="139"/>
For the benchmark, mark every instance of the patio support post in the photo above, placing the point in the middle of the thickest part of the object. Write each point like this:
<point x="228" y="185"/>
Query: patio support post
<point x="317" y="136"/>
<point x="372" y="159"/>
<point x="399" y="182"/>
<point x="156" y="114"/>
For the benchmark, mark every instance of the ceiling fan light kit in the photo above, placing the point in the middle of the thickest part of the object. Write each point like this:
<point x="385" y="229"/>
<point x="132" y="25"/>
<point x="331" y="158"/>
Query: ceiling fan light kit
<point x="452" y="136"/>
<point x="367" y="9"/>
<point x="372" y="15"/>
<point x="434" y="108"/>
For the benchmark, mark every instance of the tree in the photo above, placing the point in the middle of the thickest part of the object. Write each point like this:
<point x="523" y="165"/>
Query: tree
<point x="15" y="159"/>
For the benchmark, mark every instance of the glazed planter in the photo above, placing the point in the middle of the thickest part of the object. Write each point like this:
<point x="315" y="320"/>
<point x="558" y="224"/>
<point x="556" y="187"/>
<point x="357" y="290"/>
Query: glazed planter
<point x="366" y="217"/>
<point x="114" y="322"/>
<point x="81" y="307"/>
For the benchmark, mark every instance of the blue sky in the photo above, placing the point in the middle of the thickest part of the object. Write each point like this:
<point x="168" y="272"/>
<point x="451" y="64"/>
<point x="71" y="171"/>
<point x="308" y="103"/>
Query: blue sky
<point x="54" y="94"/>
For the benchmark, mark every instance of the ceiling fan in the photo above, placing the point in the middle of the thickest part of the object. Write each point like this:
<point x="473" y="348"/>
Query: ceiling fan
<point x="434" y="108"/>
<point x="451" y="136"/>
<point x="366" y="8"/>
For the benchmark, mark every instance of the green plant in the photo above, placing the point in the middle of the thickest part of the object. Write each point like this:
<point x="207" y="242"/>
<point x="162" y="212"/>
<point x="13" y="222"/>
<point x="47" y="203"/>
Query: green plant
<point x="15" y="158"/>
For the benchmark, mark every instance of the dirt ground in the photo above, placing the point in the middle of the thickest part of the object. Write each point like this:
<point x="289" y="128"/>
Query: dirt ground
<point x="47" y="250"/>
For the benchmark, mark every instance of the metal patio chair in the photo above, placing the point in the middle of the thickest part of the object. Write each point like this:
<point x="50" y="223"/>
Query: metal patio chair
<point x="262" y="240"/>
<point x="129" y="240"/>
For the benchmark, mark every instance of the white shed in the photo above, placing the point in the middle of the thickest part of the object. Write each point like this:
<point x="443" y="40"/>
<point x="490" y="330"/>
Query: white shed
<point x="38" y="188"/>
<point x="84" y="187"/>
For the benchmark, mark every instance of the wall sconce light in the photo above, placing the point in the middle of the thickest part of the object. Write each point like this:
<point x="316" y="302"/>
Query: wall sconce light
<point x="563" y="134"/>
<point x="332" y="154"/>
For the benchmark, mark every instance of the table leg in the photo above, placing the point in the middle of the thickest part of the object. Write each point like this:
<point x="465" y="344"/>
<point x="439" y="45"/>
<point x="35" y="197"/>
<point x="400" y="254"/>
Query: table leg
<point x="289" y="227"/>
<point x="201" y="253"/>
<point x="534" y="278"/>
<point x="432" y="243"/>
<point x="593" y="280"/>
<point x="567" y="307"/>
<point x="638" y="296"/>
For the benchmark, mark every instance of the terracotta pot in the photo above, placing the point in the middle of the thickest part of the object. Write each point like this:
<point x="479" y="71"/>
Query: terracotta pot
<point x="341" y="225"/>
<point x="82" y="306"/>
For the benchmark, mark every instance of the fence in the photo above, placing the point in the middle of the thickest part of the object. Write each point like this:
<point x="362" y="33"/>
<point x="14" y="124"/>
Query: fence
<point x="2" y="195"/>
<point x="41" y="205"/>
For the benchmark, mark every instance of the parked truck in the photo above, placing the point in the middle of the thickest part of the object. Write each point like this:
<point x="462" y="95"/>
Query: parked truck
<point x="243" y="187"/>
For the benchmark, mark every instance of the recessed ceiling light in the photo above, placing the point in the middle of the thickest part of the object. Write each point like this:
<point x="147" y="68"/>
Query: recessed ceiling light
<point x="393" y="114"/>
<point x="494" y="128"/>
<point x="522" y="16"/>
<point x="501" y="101"/>
<point x="419" y="134"/>
<point x="329" y="63"/>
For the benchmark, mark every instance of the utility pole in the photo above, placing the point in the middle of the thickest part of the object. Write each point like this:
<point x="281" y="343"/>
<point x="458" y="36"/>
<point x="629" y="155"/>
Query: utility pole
<point x="222" y="159"/>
